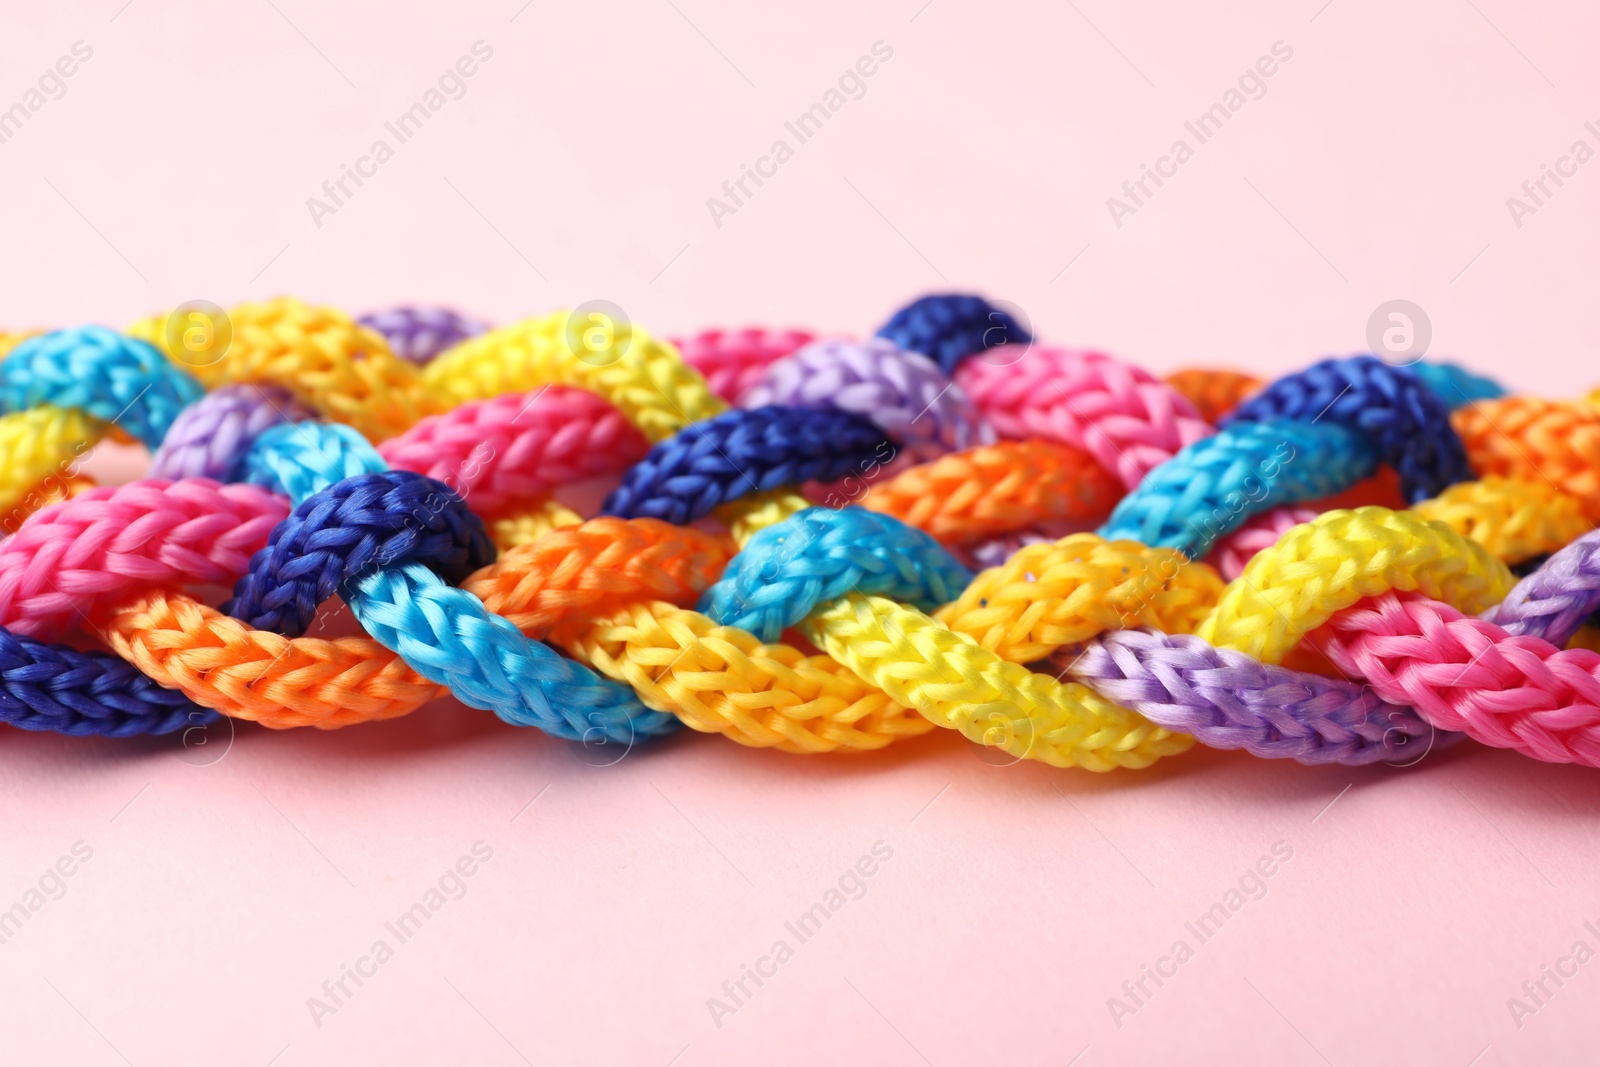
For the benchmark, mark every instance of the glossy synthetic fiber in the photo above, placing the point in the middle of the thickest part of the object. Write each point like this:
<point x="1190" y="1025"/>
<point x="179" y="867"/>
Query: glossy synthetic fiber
<point x="811" y="542"/>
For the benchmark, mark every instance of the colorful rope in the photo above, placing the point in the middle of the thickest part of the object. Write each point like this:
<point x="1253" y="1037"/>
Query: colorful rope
<point x="446" y="438"/>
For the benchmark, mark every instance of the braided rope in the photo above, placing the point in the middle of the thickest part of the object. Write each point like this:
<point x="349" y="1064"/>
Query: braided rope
<point x="741" y="452"/>
<point x="531" y="522"/>
<point x="418" y="334"/>
<point x="1050" y="595"/>
<point x="40" y="443"/>
<point x="1514" y="519"/>
<point x="502" y="451"/>
<point x="109" y="543"/>
<point x="1328" y="564"/>
<point x="210" y="436"/>
<point x="1557" y="442"/>
<point x="1227" y="699"/>
<point x="1120" y="414"/>
<point x="342" y="369"/>
<point x="1213" y="486"/>
<point x="354" y="526"/>
<point x="446" y="634"/>
<point x="969" y="496"/>
<point x="734" y="360"/>
<point x="1391" y="406"/>
<point x="1213" y="393"/>
<point x="1554" y="601"/>
<point x="82" y="694"/>
<point x="950" y="327"/>
<point x="952" y="681"/>
<point x="114" y="379"/>
<point x="904" y="393"/>
<point x="1461" y="673"/>
<point x="642" y="377"/>
<point x="783" y="572"/>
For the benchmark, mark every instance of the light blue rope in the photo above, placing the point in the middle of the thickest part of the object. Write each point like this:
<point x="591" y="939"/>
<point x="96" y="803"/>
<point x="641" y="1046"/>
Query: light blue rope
<point x="1213" y="486"/>
<point x="819" y="555"/>
<point x="96" y="370"/>
<point x="446" y="634"/>
<point x="1457" y="386"/>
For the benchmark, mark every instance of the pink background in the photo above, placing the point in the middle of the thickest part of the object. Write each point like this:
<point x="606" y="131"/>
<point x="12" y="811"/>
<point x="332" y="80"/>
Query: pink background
<point x="1019" y="898"/>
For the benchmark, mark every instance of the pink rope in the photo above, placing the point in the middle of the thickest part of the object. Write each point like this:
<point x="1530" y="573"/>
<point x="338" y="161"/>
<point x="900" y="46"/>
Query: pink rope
<point x="1462" y="673"/>
<point x="1233" y="551"/>
<point x="734" y="360"/>
<point x="1123" y="416"/>
<point x="110" y="542"/>
<point x="495" y="452"/>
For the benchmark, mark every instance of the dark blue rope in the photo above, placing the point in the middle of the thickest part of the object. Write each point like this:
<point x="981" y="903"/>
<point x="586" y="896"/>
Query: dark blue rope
<point x="949" y="327"/>
<point x="1392" y="407"/>
<point x="351" y="528"/>
<point x="52" y="687"/>
<point x="745" y="451"/>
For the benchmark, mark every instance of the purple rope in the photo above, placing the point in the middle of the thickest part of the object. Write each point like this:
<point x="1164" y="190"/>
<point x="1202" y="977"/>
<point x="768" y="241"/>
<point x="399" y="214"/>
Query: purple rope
<point x="211" y="435"/>
<point x="906" y="394"/>
<point x="418" y="333"/>
<point x="1555" y="600"/>
<point x="1229" y="699"/>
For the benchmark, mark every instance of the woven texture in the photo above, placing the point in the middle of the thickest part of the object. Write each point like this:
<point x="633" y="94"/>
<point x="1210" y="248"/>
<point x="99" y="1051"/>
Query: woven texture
<point x="1215" y="485"/>
<point x="343" y="370"/>
<point x="1227" y="699"/>
<point x="95" y="370"/>
<point x="951" y="327"/>
<point x="211" y="436"/>
<point x="1391" y="406"/>
<point x="904" y="393"/>
<point x="50" y="687"/>
<point x="498" y="453"/>
<point x="734" y="360"/>
<point x="111" y="543"/>
<point x="1121" y="415"/>
<point x="418" y="334"/>
<point x="741" y="452"/>
<point x="1467" y="674"/>
<point x="353" y="528"/>
<point x="782" y="573"/>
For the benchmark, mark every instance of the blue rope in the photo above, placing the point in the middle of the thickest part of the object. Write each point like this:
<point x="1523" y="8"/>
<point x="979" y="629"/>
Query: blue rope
<point x="1213" y="486"/>
<point x="1457" y="386"/>
<point x="741" y="452"/>
<point x="116" y="379"/>
<point x="1390" y="406"/>
<point x="818" y="556"/>
<point x="446" y="634"/>
<point x="364" y="522"/>
<point x="52" y="687"/>
<point x="949" y="327"/>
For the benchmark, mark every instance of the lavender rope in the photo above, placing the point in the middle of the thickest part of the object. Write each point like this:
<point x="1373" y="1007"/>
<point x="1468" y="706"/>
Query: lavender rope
<point x="1229" y="699"/>
<point x="418" y="333"/>
<point x="211" y="435"/>
<point x="906" y="394"/>
<point x="1555" y="600"/>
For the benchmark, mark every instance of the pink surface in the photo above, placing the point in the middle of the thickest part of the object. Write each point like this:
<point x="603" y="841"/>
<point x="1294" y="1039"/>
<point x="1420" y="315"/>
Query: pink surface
<point x="222" y="892"/>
